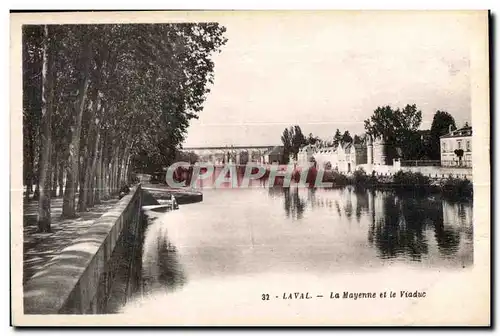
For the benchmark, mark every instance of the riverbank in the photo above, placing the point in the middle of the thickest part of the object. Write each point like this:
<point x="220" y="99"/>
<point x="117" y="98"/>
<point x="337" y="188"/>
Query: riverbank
<point x="407" y="180"/>
<point x="450" y="186"/>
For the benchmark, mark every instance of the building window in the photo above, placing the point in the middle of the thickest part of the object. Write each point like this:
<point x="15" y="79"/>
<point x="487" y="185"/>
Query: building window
<point x="467" y="144"/>
<point x="444" y="147"/>
<point x="459" y="143"/>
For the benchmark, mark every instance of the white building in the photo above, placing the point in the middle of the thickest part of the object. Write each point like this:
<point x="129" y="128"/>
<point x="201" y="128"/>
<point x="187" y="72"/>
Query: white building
<point x="305" y="155"/>
<point x="326" y="157"/>
<point x="343" y="158"/>
<point x="456" y="142"/>
<point x="349" y="157"/>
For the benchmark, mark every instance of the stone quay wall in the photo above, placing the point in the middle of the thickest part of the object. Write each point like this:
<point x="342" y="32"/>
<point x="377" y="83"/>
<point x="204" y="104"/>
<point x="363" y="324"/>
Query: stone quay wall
<point x="78" y="280"/>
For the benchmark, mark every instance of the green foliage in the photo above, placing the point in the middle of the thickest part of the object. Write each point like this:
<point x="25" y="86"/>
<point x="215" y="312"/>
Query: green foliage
<point x="293" y="139"/>
<point x="407" y="178"/>
<point x="396" y="127"/>
<point x="185" y="156"/>
<point x="360" y="178"/>
<point x="441" y="124"/>
<point x="457" y="187"/>
<point x="346" y="138"/>
<point x="147" y="81"/>
<point x="312" y="140"/>
<point x="337" y="138"/>
<point x="338" y="179"/>
<point x="358" y="140"/>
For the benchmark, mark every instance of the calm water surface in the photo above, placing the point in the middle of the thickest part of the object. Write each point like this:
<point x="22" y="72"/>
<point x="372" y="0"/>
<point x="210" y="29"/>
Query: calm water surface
<point x="255" y="231"/>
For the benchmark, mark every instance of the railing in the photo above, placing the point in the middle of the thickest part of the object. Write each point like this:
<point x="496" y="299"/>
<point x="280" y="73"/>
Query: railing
<point x="457" y="164"/>
<point x="420" y="163"/>
<point x="432" y="176"/>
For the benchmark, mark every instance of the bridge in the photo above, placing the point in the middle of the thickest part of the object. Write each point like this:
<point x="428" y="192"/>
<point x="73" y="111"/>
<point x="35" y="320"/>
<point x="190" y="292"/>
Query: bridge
<point x="235" y="154"/>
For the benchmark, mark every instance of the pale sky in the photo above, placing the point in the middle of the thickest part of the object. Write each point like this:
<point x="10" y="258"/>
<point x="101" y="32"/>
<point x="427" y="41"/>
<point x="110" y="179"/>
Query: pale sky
<point x="325" y="71"/>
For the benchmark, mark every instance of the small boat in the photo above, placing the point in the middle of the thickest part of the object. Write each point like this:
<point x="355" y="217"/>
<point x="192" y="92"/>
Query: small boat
<point x="164" y="206"/>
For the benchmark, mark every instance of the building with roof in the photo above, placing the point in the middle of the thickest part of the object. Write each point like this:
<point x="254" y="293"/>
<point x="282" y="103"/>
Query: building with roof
<point x="326" y="157"/>
<point x="349" y="156"/>
<point x="273" y="155"/>
<point x="306" y="154"/>
<point x="456" y="147"/>
<point x="343" y="158"/>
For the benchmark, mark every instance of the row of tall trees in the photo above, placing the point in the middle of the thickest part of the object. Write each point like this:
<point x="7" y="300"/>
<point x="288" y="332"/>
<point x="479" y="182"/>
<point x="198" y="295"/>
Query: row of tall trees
<point x="97" y="96"/>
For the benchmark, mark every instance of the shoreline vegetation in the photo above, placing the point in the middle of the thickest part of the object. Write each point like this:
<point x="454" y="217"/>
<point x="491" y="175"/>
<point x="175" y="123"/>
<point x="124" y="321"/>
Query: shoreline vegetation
<point x="450" y="187"/>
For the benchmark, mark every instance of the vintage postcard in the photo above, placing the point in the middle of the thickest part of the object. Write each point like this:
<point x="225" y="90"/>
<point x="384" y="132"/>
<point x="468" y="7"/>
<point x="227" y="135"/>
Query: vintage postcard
<point x="250" y="168"/>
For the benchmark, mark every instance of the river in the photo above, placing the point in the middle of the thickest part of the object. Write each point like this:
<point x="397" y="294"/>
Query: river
<point x="251" y="233"/>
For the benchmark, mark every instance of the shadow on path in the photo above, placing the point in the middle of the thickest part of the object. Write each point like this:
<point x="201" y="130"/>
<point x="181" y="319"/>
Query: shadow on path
<point x="39" y="248"/>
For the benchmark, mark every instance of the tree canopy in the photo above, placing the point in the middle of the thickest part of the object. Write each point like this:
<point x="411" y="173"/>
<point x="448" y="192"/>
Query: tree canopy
<point x="98" y="98"/>
<point x="441" y="124"/>
<point x="293" y="139"/>
<point x="396" y="127"/>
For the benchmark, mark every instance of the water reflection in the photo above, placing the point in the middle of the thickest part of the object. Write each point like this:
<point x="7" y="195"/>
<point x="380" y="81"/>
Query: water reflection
<point x="245" y="231"/>
<point x="160" y="262"/>
<point x="248" y="232"/>
<point x="293" y="204"/>
<point x="399" y="224"/>
<point x="362" y="203"/>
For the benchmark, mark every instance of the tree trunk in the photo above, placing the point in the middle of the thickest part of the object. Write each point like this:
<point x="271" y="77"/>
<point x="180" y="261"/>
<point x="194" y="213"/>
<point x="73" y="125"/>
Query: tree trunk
<point x="105" y="178"/>
<point x="103" y="170"/>
<point x="54" y="166"/>
<point x="126" y="171"/>
<point x="74" y="147"/>
<point x="113" y="176"/>
<point x="60" y="178"/>
<point x="91" y="173"/>
<point x="29" y="164"/>
<point x="109" y="170"/>
<point x="118" y="172"/>
<point x="36" y="194"/>
<point x="126" y="159"/>
<point x="86" y="196"/>
<point x="44" y="214"/>
<point x="81" y="180"/>
<point x="98" y="180"/>
<point x="122" y="160"/>
<point x="123" y="177"/>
